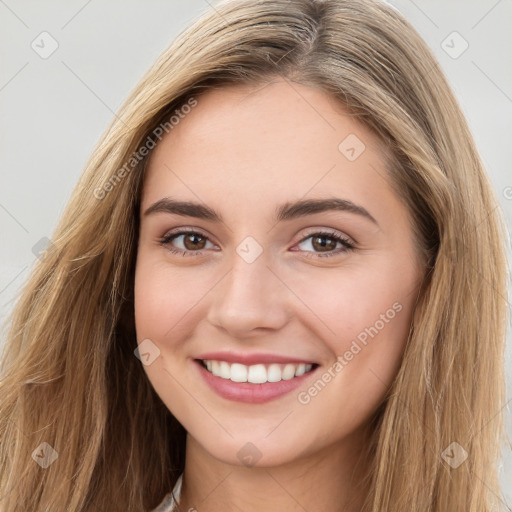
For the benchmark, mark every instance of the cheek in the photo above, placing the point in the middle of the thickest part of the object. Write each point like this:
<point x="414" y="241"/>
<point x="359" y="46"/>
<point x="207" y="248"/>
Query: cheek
<point x="363" y="314"/>
<point x="368" y="316"/>
<point x="166" y="299"/>
<point x="362" y="302"/>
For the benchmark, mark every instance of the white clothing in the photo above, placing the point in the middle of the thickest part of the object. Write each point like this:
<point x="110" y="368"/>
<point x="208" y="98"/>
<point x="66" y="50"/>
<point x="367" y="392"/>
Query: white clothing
<point x="168" y="504"/>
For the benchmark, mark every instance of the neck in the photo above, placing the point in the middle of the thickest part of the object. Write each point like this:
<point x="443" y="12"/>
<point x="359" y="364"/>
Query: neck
<point x="331" y="481"/>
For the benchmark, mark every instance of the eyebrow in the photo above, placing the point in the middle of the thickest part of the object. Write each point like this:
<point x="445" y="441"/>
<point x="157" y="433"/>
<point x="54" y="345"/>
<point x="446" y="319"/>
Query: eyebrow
<point x="287" y="211"/>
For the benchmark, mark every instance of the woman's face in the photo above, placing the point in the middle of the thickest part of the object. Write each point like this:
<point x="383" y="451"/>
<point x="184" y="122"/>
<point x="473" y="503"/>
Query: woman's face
<point x="300" y="274"/>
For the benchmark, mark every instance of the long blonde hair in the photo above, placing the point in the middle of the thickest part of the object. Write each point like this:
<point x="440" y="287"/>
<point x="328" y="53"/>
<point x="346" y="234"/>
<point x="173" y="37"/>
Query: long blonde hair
<point x="69" y="374"/>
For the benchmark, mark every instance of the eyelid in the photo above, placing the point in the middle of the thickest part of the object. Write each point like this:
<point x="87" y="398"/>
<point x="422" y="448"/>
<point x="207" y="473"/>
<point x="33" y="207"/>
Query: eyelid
<point x="345" y="240"/>
<point x="330" y="231"/>
<point x="309" y="232"/>
<point x="184" y="230"/>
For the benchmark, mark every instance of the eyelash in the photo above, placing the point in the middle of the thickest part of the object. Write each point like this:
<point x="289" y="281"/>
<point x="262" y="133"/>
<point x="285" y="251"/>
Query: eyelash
<point x="348" y="246"/>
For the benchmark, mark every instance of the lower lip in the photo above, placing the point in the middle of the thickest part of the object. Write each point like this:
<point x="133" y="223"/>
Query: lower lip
<point x="248" y="392"/>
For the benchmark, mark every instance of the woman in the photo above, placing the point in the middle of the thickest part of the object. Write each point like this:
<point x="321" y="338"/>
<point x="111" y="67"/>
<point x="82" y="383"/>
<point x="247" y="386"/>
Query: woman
<point x="279" y="285"/>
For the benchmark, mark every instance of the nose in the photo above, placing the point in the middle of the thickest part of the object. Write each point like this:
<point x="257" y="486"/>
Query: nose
<point x="249" y="298"/>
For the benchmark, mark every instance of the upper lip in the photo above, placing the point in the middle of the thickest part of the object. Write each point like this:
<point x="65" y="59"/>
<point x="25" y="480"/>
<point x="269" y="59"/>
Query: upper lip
<point x="251" y="359"/>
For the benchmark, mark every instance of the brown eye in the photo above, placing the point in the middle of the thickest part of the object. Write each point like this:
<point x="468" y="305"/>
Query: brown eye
<point x="193" y="241"/>
<point x="324" y="243"/>
<point x="184" y="242"/>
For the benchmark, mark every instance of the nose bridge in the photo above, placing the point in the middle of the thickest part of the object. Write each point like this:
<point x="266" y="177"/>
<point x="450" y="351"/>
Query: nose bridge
<point x="249" y="296"/>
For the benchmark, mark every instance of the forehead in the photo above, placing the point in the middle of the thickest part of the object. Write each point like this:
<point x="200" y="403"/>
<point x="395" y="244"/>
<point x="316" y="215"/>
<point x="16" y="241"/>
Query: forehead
<point x="266" y="142"/>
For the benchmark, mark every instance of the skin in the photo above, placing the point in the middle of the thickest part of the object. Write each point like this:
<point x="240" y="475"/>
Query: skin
<point x="243" y="151"/>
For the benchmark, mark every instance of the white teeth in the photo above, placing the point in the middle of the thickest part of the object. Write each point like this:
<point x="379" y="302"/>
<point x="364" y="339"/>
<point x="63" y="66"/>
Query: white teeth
<point x="274" y="373"/>
<point x="238" y="373"/>
<point x="225" y="371"/>
<point x="256" y="373"/>
<point x="301" y="370"/>
<point x="288" y="372"/>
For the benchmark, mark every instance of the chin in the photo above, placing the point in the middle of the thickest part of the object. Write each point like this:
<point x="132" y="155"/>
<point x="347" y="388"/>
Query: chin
<point x="254" y="449"/>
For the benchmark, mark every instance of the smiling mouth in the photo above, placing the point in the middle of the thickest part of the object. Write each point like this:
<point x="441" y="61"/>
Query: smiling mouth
<point x="256" y="373"/>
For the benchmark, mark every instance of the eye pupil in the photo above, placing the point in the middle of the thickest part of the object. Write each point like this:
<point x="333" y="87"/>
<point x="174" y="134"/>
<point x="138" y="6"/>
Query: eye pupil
<point x="193" y="238"/>
<point x="322" y="244"/>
